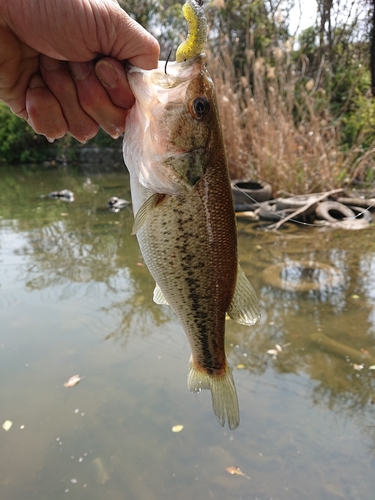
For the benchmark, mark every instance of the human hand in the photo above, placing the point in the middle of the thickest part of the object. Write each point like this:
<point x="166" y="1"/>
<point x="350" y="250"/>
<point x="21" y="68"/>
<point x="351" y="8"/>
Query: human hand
<point x="38" y="37"/>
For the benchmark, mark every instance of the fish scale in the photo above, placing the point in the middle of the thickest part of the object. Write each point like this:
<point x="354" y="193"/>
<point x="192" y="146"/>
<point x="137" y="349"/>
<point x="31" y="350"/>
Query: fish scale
<point x="193" y="272"/>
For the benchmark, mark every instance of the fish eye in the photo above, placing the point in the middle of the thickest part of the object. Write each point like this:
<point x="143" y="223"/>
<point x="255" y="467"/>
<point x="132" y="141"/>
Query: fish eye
<point x="200" y="107"/>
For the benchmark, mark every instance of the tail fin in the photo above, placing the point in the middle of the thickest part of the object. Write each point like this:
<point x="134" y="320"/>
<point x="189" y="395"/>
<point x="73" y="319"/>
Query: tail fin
<point x="223" y="393"/>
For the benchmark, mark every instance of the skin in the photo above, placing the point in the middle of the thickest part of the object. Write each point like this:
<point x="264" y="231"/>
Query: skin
<point x="49" y="72"/>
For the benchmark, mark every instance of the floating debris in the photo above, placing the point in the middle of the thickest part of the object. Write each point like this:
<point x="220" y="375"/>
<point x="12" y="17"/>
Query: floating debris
<point x="115" y="204"/>
<point x="275" y="352"/>
<point x="357" y="367"/>
<point x="278" y="348"/>
<point x="64" y="195"/>
<point x="237" y="471"/>
<point x="72" y="381"/>
<point x="7" y="425"/>
<point x="177" y="428"/>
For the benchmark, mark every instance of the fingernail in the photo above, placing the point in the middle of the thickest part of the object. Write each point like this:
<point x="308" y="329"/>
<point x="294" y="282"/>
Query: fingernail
<point x="50" y="139"/>
<point x="50" y="64"/>
<point x="106" y="73"/>
<point x="80" y="70"/>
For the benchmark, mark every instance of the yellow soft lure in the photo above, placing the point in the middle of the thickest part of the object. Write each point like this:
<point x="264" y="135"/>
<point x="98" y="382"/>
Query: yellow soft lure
<point x="197" y="32"/>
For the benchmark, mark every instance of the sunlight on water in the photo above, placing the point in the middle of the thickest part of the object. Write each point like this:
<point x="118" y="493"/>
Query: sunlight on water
<point x="75" y="298"/>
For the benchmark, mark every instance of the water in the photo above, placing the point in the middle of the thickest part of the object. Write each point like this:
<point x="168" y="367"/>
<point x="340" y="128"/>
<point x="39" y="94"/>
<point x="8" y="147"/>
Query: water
<point x="75" y="298"/>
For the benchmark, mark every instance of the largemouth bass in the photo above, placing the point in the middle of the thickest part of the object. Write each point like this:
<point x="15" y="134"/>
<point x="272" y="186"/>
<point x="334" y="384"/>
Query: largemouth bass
<point x="184" y="217"/>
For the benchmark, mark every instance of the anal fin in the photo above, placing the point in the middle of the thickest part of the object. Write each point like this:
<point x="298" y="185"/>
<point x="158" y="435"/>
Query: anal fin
<point x="244" y="307"/>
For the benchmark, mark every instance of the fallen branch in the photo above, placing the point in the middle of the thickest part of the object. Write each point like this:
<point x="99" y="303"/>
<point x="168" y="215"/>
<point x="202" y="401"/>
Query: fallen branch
<point x="305" y="207"/>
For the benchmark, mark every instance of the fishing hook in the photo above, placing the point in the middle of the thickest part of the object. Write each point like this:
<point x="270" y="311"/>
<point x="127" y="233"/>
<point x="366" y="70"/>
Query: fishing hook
<point x="167" y="61"/>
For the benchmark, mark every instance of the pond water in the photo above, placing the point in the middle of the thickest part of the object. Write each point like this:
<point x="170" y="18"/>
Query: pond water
<point x="75" y="298"/>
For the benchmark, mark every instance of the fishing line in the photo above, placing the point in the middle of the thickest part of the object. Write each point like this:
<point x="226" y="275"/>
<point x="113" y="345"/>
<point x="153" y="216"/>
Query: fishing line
<point x="293" y="220"/>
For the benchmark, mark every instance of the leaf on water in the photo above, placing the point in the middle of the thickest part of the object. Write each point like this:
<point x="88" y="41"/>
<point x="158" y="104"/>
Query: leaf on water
<point x="72" y="381"/>
<point x="236" y="471"/>
<point x="357" y="367"/>
<point x="7" y="425"/>
<point x="372" y="367"/>
<point x="177" y="428"/>
<point x="240" y="366"/>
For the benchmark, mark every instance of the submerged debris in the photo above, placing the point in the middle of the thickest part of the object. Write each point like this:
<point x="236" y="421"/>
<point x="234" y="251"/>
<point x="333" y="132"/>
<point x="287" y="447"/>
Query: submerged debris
<point x="237" y="472"/>
<point x="72" y="381"/>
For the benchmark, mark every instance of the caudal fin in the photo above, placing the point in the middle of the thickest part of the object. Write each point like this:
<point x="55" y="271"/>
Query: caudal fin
<point x="223" y="393"/>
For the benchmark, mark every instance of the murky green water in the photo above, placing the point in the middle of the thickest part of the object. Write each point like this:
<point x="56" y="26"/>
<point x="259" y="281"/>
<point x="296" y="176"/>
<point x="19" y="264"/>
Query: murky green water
<point x="76" y="298"/>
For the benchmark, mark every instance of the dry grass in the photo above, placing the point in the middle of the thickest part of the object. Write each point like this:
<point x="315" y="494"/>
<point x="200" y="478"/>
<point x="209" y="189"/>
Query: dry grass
<point x="278" y="129"/>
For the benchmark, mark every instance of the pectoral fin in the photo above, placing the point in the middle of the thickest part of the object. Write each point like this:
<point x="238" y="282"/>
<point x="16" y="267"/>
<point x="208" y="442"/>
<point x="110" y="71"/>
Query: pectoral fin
<point x="244" y="307"/>
<point x="144" y="211"/>
<point x="159" y="296"/>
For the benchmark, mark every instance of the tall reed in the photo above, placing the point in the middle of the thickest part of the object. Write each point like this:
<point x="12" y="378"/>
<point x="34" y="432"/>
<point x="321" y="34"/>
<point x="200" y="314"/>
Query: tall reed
<point x="277" y="125"/>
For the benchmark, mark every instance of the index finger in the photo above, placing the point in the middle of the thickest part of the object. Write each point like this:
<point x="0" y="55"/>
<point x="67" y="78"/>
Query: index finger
<point x="133" y="43"/>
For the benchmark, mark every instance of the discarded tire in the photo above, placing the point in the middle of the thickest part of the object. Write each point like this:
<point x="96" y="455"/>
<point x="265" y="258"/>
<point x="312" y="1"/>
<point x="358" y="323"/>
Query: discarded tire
<point x="248" y="191"/>
<point x="333" y="211"/>
<point x="302" y="276"/>
<point x="362" y="213"/>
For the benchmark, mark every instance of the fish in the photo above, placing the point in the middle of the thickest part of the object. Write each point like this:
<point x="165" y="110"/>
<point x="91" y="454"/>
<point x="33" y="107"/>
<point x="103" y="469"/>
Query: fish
<point x="184" y="217"/>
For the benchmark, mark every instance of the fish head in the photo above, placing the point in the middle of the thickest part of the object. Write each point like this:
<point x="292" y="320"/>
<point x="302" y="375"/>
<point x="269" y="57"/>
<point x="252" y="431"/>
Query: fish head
<point x="170" y="129"/>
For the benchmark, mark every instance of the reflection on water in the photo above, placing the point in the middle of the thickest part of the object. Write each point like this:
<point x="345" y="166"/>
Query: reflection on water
<point x="75" y="297"/>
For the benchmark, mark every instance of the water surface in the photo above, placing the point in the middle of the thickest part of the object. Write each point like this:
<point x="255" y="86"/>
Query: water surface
<point x="75" y="298"/>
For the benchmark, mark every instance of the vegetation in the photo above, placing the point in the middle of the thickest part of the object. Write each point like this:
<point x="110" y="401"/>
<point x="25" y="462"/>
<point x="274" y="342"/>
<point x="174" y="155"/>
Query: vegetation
<point x="18" y="142"/>
<point x="296" y="111"/>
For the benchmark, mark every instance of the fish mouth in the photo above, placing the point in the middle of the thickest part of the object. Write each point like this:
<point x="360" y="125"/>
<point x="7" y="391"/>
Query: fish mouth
<point x="167" y="75"/>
